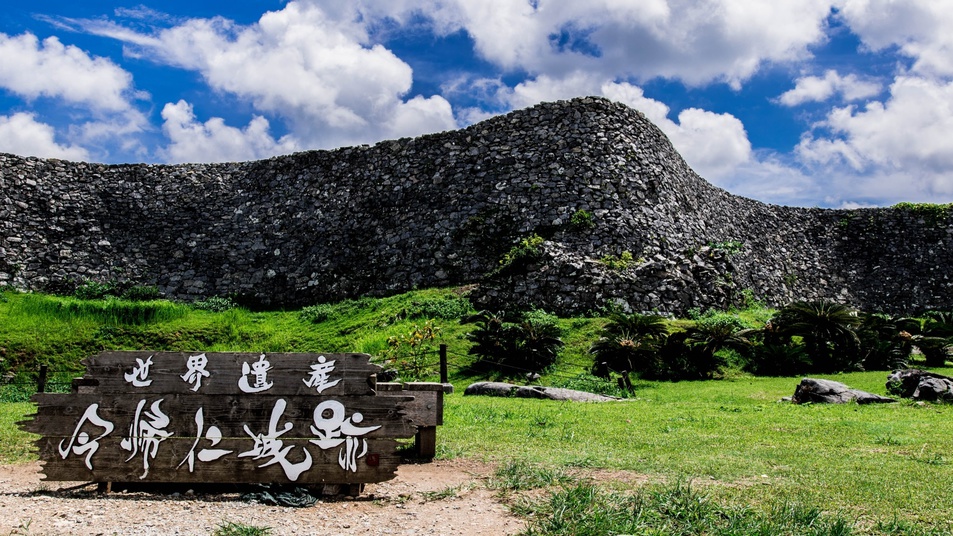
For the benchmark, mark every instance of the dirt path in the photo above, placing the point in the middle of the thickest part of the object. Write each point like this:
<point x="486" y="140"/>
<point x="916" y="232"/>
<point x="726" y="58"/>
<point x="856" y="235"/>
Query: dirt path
<point x="443" y="497"/>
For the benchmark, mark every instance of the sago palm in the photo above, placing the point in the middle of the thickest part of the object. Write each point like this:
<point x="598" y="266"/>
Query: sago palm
<point x="936" y="338"/>
<point x="827" y="331"/>
<point x="629" y="342"/>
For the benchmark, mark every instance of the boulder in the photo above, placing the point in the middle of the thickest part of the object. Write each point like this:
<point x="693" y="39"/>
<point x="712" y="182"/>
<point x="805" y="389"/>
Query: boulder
<point x="934" y="390"/>
<point x="533" y="391"/>
<point x="904" y="383"/>
<point x="831" y="392"/>
<point x="490" y="389"/>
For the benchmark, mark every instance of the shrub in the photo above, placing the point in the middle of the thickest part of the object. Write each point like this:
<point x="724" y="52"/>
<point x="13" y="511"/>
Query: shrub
<point x="932" y="212"/>
<point x="525" y="251"/>
<point x="409" y="353"/>
<point x="538" y="341"/>
<point x="529" y="343"/>
<point x="94" y="290"/>
<point x="141" y="293"/>
<point x="936" y="338"/>
<point x="827" y="331"/>
<point x="447" y="308"/>
<point x="581" y="220"/>
<point x="777" y="359"/>
<point x="317" y="313"/>
<point x="215" y="304"/>
<point x="694" y="353"/>
<point x="629" y="343"/>
<point x="886" y="342"/>
<point x="620" y="263"/>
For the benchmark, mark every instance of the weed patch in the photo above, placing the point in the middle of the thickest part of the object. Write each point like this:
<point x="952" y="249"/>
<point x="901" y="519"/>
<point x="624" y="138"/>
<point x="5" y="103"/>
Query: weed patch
<point x="229" y="528"/>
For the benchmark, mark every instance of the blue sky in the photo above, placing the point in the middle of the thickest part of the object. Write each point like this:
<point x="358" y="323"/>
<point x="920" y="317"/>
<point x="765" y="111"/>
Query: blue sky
<point x="834" y="103"/>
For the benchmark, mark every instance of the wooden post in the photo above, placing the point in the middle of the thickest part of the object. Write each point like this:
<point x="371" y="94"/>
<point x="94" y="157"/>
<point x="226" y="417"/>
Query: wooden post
<point x="41" y="380"/>
<point x="426" y="442"/>
<point x="443" y="363"/>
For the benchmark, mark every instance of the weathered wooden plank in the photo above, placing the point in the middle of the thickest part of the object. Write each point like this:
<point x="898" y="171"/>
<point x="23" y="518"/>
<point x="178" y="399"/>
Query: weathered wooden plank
<point x="429" y="386"/>
<point x="226" y="373"/>
<point x="297" y="461"/>
<point x="425" y="409"/>
<point x="107" y="438"/>
<point x="58" y="415"/>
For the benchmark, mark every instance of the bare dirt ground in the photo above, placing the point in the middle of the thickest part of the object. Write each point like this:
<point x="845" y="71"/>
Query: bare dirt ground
<point x="443" y="497"/>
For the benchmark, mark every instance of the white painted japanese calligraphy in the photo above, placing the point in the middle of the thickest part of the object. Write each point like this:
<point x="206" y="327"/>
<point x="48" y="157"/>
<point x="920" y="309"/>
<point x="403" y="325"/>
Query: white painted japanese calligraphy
<point x="269" y="446"/>
<point x="80" y="442"/>
<point x="214" y="435"/>
<point x="259" y="369"/>
<point x="139" y="377"/>
<point x="196" y="372"/>
<point x="333" y="429"/>
<point x="146" y="432"/>
<point x="320" y="371"/>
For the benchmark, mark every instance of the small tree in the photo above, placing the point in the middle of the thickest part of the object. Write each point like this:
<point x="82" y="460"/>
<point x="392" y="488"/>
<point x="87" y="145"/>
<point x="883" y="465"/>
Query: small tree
<point x="409" y="353"/>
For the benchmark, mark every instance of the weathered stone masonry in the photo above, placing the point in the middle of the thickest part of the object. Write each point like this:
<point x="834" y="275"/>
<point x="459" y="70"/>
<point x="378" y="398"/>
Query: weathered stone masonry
<point x="444" y="209"/>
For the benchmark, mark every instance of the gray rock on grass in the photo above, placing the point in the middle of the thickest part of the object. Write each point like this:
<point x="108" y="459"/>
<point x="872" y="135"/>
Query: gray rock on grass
<point x="920" y="385"/>
<point x="533" y="391"/>
<point x="831" y="392"/>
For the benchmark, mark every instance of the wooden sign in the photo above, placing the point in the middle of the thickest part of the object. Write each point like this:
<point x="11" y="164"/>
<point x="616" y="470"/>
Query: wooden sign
<point x="222" y="417"/>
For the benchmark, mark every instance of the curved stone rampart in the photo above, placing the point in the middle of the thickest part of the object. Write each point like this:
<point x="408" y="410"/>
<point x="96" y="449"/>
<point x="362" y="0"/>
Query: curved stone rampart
<point x="444" y="209"/>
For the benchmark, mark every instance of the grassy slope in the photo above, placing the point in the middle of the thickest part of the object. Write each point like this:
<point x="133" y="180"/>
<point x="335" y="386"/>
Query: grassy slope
<point x="873" y="462"/>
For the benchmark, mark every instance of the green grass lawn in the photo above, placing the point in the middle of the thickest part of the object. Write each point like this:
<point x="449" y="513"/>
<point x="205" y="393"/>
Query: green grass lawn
<point x="871" y="461"/>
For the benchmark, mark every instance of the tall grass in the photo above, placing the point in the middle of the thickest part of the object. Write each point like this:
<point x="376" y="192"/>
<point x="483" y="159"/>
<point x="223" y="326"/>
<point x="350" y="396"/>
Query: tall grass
<point x="109" y="311"/>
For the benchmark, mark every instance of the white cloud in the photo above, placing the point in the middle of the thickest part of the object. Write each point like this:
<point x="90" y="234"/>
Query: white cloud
<point x="95" y="95"/>
<point x="214" y="141"/>
<point x="315" y="70"/>
<point x="818" y="89"/>
<point x="33" y="69"/>
<point x="22" y="134"/>
<point x="920" y="28"/>
<point x="771" y="178"/>
<point x="896" y="149"/>
<point x="716" y="143"/>
<point x="696" y="41"/>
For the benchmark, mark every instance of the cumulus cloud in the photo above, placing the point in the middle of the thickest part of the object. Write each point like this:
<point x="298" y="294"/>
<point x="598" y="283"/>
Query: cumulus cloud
<point x="96" y="95"/>
<point x="899" y="147"/>
<point x="214" y="141"/>
<point x="691" y="40"/>
<point x="32" y="68"/>
<point x="22" y="134"/>
<point x="319" y="73"/>
<point x="820" y="89"/>
<point x="919" y="28"/>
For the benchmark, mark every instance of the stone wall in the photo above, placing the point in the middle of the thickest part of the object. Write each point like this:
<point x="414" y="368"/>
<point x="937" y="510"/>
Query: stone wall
<point x="444" y="209"/>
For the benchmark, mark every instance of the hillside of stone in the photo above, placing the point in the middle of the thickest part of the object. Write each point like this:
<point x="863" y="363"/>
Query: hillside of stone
<point x="445" y="209"/>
